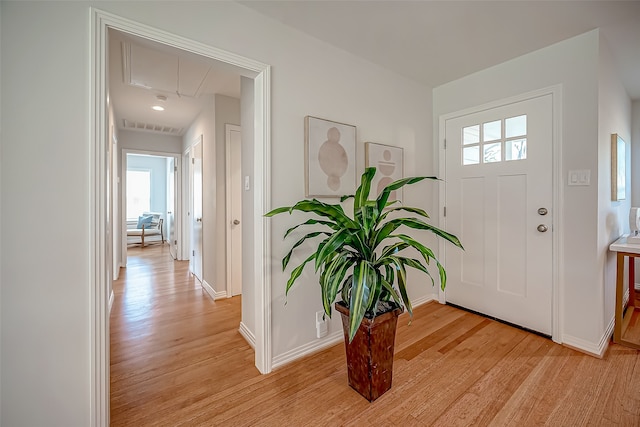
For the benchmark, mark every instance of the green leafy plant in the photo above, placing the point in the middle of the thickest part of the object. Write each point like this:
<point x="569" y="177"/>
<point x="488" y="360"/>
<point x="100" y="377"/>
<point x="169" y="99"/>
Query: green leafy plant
<point x="360" y="257"/>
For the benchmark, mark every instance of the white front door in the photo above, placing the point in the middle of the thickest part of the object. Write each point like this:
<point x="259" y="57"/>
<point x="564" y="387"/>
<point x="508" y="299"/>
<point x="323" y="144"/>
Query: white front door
<point x="499" y="203"/>
<point x="234" y="210"/>
<point x="196" y="211"/>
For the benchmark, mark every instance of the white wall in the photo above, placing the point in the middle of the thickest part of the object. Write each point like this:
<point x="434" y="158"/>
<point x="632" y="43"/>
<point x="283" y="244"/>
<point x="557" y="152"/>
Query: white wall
<point x="573" y="64"/>
<point x="45" y="172"/>
<point x="205" y="125"/>
<point x="148" y="141"/>
<point x="0" y="215"/>
<point x="614" y="116"/>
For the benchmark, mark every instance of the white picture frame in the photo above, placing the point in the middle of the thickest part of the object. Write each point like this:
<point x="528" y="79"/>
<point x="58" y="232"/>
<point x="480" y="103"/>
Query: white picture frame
<point x="618" y="168"/>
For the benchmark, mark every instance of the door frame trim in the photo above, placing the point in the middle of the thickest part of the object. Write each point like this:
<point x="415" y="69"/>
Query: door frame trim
<point x="557" y="291"/>
<point x="123" y="191"/>
<point x="100" y="265"/>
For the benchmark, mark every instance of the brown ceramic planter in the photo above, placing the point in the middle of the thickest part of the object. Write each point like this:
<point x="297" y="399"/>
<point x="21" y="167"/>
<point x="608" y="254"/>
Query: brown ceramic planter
<point x="370" y="354"/>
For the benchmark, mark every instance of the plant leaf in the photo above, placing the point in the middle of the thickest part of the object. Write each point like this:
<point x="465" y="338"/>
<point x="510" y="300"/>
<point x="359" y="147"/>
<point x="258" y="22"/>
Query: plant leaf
<point x="297" y="272"/>
<point x="389" y="287"/>
<point x="287" y="257"/>
<point x="360" y="293"/>
<point x="311" y="221"/>
<point x="333" y="212"/>
<point x="402" y="287"/>
<point x="415" y="223"/>
<point x="362" y="193"/>
<point x="416" y="211"/>
<point x="392" y="249"/>
<point x="331" y="279"/>
<point x="425" y="251"/>
<point x="443" y="275"/>
<point x="333" y="244"/>
<point x="386" y="191"/>
<point x="278" y="211"/>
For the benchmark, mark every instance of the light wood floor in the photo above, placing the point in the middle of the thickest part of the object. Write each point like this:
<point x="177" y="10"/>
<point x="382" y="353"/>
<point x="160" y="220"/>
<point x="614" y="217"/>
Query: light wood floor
<point x="178" y="360"/>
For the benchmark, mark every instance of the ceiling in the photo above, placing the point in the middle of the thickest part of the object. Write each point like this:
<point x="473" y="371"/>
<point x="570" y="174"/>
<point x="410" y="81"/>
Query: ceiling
<point x="431" y="42"/>
<point x="434" y="42"/>
<point x="140" y="71"/>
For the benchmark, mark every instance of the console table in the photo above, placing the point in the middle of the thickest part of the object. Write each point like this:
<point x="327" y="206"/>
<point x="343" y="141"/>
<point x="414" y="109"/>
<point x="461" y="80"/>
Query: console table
<point x="626" y="332"/>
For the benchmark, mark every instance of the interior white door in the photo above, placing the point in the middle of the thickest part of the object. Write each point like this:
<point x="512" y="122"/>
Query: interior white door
<point x="234" y="210"/>
<point x="172" y="169"/>
<point x="196" y="210"/>
<point x="499" y="203"/>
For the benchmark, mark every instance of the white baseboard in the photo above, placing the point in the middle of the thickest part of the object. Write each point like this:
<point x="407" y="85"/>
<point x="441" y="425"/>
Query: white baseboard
<point x="423" y="300"/>
<point x="328" y="341"/>
<point x="606" y="338"/>
<point x="583" y="346"/>
<point x="111" y="298"/>
<point x="307" y="349"/>
<point x="212" y="292"/>
<point x="591" y="348"/>
<point x="248" y="335"/>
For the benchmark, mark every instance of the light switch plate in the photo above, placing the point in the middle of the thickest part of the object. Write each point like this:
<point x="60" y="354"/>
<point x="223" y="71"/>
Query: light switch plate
<point x="579" y="177"/>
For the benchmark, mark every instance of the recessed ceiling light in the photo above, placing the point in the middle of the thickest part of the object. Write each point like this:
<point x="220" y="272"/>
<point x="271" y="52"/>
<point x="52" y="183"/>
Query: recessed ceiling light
<point x="161" y="99"/>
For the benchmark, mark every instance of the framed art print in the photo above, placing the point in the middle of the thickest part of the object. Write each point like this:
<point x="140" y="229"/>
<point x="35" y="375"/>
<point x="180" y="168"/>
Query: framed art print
<point x="389" y="164"/>
<point x="330" y="158"/>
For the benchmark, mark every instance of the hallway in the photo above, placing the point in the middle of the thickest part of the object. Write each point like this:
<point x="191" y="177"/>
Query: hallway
<point x="171" y="344"/>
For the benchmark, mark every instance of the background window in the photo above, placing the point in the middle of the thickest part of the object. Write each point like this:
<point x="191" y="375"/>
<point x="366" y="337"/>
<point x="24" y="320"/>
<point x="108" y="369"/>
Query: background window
<point x="138" y="193"/>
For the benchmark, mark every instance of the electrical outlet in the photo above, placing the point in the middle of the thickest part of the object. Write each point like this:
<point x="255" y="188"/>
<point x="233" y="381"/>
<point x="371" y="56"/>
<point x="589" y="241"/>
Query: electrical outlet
<point x="322" y="324"/>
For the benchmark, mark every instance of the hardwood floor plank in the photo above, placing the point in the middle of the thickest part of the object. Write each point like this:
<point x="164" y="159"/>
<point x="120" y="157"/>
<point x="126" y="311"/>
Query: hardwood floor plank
<point x="177" y="359"/>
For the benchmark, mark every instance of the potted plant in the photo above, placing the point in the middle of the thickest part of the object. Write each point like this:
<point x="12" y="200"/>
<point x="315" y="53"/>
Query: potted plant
<point x="360" y="258"/>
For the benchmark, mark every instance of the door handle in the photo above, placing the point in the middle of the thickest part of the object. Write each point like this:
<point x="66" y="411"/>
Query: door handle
<point x="542" y="228"/>
<point x="168" y="213"/>
<point x="199" y="219"/>
<point x="236" y="222"/>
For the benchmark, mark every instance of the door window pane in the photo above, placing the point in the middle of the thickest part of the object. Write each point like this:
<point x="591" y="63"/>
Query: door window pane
<point x="471" y="135"/>
<point x="471" y="155"/>
<point x="492" y="130"/>
<point x="492" y="153"/>
<point x="515" y="126"/>
<point x="516" y="149"/>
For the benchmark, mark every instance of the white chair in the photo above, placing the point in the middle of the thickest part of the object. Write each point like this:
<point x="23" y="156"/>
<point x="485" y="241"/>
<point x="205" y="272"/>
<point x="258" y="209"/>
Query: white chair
<point x="150" y="224"/>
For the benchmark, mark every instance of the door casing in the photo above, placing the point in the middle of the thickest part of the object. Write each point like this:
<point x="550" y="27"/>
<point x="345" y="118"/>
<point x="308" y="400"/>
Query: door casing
<point x="123" y="195"/>
<point x="100" y="265"/>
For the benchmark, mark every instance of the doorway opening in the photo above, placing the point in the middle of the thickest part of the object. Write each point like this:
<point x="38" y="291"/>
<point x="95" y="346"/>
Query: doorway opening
<point x="258" y="283"/>
<point x="150" y="186"/>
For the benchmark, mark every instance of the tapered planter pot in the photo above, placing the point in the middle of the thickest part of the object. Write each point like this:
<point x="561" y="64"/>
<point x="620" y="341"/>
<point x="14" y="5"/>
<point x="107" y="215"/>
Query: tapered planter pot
<point x="370" y="353"/>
